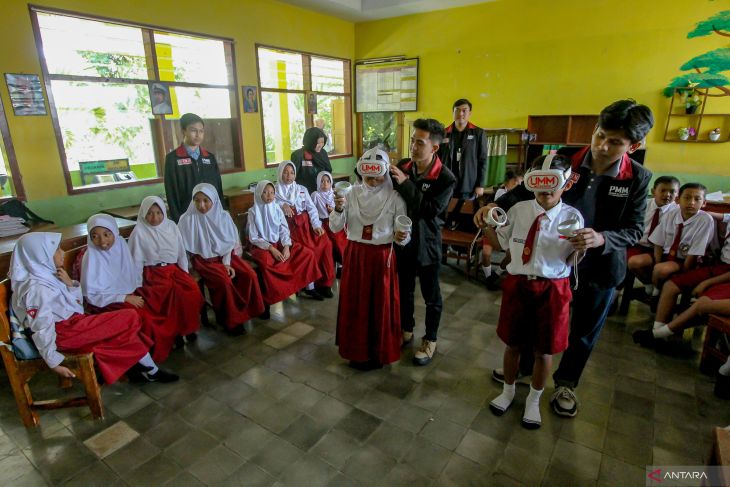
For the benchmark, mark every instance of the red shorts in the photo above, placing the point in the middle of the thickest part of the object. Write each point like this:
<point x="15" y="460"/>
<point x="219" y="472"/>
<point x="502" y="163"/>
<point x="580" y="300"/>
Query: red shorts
<point x="718" y="291"/>
<point x="638" y="250"/>
<point x="535" y="313"/>
<point x="686" y="281"/>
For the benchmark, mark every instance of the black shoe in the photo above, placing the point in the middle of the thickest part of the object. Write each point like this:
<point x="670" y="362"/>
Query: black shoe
<point x="266" y="314"/>
<point x="495" y="410"/>
<point x="645" y="338"/>
<point x="179" y="342"/>
<point x="722" y="386"/>
<point x="236" y="331"/>
<point x="366" y="366"/>
<point x="498" y="376"/>
<point x="338" y="272"/>
<point x="326" y="292"/>
<point x="162" y="376"/>
<point x="312" y="293"/>
<point x="653" y="303"/>
<point x="191" y="337"/>
<point x="493" y="282"/>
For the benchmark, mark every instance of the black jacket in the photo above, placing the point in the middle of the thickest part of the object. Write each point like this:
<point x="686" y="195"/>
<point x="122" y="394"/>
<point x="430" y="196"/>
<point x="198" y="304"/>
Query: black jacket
<point x="308" y="162"/>
<point x="182" y="173"/>
<point x="617" y="211"/>
<point x="427" y="197"/>
<point x="471" y="170"/>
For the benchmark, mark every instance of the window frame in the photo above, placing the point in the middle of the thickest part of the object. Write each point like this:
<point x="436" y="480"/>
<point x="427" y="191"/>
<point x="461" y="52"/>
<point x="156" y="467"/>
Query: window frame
<point x="12" y="160"/>
<point x="159" y="129"/>
<point x="306" y="90"/>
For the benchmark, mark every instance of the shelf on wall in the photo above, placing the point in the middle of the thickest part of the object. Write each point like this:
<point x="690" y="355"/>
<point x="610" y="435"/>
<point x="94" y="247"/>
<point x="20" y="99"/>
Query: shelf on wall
<point x="694" y="120"/>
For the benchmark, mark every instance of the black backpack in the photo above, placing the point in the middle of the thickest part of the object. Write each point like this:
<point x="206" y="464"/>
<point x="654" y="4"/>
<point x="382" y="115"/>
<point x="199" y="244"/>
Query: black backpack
<point x="16" y="208"/>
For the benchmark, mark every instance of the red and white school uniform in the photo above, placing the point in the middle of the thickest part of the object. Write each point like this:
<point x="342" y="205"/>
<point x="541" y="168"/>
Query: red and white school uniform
<point x="302" y="224"/>
<point x="211" y="238"/>
<point x="324" y="201"/>
<point x="267" y="226"/>
<point x="652" y="217"/>
<point x="167" y="288"/>
<point x="681" y="238"/>
<point x="686" y="281"/>
<point x="55" y="315"/>
<point x="536" y="293"/>
<point x="368" y="313"/>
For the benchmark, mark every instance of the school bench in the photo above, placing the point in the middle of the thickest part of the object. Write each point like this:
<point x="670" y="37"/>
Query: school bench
<point x="720" y="454"/>
<point x="20" y="372"/>
<point x="461" y="244"/>
<point x="715" y="346"/>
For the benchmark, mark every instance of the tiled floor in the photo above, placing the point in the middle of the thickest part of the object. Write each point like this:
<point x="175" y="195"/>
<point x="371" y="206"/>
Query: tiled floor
<point x="279" y="407"/>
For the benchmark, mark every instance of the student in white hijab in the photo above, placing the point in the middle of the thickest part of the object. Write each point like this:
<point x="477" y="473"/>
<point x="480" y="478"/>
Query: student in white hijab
<point x="168" y="290"/>
<point x="211" y="237"/>
<point x="306" y="228"/>
<point x="285" y="266"/>
<point x="324" y="201"/>
<point x="48" y="302"/>
<point x="368" y="315"/>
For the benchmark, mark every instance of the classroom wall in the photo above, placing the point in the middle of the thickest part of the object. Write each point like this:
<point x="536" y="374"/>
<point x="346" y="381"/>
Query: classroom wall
<point x="527" y="57"/>
<point x="246" y="21"/>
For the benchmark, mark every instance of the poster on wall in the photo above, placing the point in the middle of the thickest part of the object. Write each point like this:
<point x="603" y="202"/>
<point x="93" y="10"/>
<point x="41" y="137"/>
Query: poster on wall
<point x="386" y="86"/>
<point x="160" y="99"/>
<point x="26" y="94"/>
<point x="250" y="100"/>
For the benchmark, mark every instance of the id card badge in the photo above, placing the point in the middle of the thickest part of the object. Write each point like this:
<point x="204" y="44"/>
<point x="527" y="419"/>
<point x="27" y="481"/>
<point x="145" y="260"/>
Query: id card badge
<point x="458" y="155"/>
<point x="367" y="232"/>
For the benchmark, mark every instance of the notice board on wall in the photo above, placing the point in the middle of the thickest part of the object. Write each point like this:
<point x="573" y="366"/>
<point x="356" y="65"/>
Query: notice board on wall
<point x="386" y="86"/>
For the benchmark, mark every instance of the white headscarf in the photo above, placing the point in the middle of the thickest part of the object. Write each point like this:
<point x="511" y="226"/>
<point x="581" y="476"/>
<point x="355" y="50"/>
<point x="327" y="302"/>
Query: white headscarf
<point x="286" y="193"/>
<point x="323" y="199"/>
<point x="112" y="271"/>
<point x="32" y="264"/>
<point x="268" y="216"/>
<point x="162" y="243"/>
<point x="211" y="234"/>
<point x="370" y="202"/>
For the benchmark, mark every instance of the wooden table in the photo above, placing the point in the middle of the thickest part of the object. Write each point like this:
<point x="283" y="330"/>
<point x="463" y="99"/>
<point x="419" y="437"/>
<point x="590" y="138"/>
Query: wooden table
<point x="125" y="212"/>
<point x="717" y="206"/>
<point x="72" y="236"/>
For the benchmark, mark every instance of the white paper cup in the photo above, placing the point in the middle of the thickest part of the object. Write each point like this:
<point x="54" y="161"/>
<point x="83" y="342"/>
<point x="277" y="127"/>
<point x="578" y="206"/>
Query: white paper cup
<point x="496" y="217"/>
<point x="342" y="188"/>
<point x="403" y="224"/>
<point x="568" y="228"/>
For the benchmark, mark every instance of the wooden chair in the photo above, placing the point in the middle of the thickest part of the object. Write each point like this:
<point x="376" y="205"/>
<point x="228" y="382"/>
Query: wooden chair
<point x="460" y="244"/>
<point x="714" y="351"/>
<point x="20" y="372"/>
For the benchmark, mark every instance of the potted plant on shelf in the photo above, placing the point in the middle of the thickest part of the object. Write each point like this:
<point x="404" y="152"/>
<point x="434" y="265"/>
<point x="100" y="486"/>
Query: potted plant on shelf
<point x="715" y="135"/>
<point x="685" y="133"/>
<point x="690" y="98"/>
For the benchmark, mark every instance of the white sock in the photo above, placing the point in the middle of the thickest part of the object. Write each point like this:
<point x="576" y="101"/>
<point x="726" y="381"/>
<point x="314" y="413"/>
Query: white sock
<point x="725" y="368"/>
<point x="310" y="286"/>
<point x="487" y="270"/>
<point x="148" y="362"/>
<point x="503" y="401"/>
<point x="662" y="332"/>
<point x="649" y="288"/>
<point x="655" y="292"/>
<point x="532" y="407"/>
<point x="658" y="324"/>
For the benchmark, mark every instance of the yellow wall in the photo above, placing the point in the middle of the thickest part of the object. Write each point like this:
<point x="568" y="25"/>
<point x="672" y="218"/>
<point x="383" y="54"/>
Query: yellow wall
<point x="246" y="21"/>
<point x="514" y="58"/>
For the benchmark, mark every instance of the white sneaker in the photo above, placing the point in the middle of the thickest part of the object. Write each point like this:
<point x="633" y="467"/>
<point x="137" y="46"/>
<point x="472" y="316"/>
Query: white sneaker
<point x="425" y="353"/>
<point x="564" y="402"/>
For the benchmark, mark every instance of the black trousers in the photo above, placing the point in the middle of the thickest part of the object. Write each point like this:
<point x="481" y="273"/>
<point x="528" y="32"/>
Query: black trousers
<point x="428" y="276"/>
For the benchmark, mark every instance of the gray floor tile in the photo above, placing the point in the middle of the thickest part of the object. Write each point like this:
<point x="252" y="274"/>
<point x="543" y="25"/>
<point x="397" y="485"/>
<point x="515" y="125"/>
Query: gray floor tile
<point x="358" y="424"/>
<point x="310" y="470"/>
<point x="249" y="475"/>
<point x="276" y="456"/>
<point x="427" y="458"/>
<point x="368" y="465"/>
<point x="216" y="465"/>
<point x="96" y="475"/>
<point x="190" y="447"/>
<point x="336" y="447"/>
<point x="305" y="432"/>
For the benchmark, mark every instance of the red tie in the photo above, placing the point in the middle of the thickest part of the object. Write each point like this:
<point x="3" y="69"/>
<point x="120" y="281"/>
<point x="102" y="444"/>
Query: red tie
<point x="530" y="242"/>
<point x="675" y="245"/>
<point x="654" y="220"/>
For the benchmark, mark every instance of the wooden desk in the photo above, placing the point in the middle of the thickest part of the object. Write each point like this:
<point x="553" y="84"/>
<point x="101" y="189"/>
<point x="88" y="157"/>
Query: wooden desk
<point x="72" y="236"/>
<point x="717" y="206"/>
<point x="125" y="212"/>
<point x="238" y="201"/>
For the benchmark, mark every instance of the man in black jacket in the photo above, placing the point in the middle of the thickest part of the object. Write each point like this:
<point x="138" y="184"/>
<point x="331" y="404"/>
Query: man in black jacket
<point x="610" y="191"/>
<point x="426" y="186"/>
<point x="189" y="165"/>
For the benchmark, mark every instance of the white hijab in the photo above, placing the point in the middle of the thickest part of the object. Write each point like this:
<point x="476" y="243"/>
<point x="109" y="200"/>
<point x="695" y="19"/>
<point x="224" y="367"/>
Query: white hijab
<point x="153" y="245"/>
<point x="268" y="216"/>
<point x="32" y="264"/>
<point x="211" y="234"/>
<point x="112" y="271"/>
<point x="323" y="199"/>
<point x="286" y="193"/>
<point x="370" y="202"/>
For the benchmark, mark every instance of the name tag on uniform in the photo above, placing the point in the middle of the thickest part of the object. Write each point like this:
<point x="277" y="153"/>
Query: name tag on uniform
<point x="367" y="232"/>
<point x="184" y="162"/>
<point x="518" y="240"/>
<point x="425" y="187"/>
<point x="306" y="163"/>
<point x="469" y="137"/>
<point x="206" y="161"/>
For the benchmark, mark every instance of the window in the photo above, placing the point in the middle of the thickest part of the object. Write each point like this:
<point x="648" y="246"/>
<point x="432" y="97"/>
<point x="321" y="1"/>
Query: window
<point x="100" y="74"/>
<point x="299" y="91"/>
<point x="383" y="130"/>
<point x="10" y="182"/>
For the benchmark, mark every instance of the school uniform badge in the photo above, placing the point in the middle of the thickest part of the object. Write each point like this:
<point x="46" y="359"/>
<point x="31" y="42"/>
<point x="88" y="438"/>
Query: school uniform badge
<point x="184" y="162"/>
<point x="31" y="312"/>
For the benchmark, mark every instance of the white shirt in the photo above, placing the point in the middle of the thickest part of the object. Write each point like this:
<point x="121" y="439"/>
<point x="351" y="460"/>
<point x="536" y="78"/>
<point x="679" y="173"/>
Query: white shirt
<point x="302" y="202"/>
<point x="549" y="251"/>
<point x="383" y="227"/>
<point x="651" y="206"/>
<point x="697" y="233"/>
<point x="498" y="194"/>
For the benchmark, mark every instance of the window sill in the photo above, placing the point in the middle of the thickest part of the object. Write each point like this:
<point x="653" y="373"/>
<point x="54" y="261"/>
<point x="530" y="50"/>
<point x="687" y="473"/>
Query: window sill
<point x="103" y="187"/>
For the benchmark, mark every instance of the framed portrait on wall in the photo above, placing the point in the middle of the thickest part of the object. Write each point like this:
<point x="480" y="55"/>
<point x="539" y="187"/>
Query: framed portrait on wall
<point x="250" y="99"/>
<point x="26" y="94"/>
<point x="160" y="99"/>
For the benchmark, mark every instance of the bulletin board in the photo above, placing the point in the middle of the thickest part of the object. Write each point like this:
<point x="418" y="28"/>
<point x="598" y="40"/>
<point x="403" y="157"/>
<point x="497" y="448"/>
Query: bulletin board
<point x="386" y="86"/>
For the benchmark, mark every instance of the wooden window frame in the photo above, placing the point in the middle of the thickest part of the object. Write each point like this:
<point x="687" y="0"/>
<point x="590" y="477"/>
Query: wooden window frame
<point x="159" y="128"/>
<point x="401" y="148"/>
<point x="12" y="161"/>
<point x="307" y="89"/>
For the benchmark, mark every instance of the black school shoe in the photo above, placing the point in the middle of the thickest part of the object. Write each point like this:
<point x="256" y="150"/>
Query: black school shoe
<point x="266" y="314"/>
<point x="326" y="292"/>
<point x="366" y="366"/>
<point x="645" y="338"/>
<point x="162" y="376"/>
<point x="722" y="386"/>
<point x="236" y="331"/>
<point x="312" y="293"/>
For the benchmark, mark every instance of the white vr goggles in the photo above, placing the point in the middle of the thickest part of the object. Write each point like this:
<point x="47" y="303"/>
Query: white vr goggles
<point x="373" y="163"/>
<point x="544" y="179"/>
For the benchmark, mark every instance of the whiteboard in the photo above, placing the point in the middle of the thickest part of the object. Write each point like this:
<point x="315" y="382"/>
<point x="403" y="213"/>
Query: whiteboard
<point x="389" y="86"/>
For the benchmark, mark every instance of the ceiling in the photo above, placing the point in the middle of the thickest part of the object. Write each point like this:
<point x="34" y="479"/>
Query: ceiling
<point x="364" y="10"/>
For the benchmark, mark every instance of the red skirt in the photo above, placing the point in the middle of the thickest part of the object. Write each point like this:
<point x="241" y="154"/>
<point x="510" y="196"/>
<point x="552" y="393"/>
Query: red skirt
<point x="115" y="339"/>
<point x="535" y="313"/>
<point x="235" y="300"/>
<point x="718" y="291"/>
<point x="172" y="293"/>
<point x="302" y="233"/>
<point x="338" y="240"/>
<point x="282" y="279"/>
<point x="368" y="315"/>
